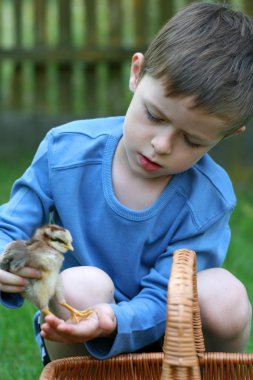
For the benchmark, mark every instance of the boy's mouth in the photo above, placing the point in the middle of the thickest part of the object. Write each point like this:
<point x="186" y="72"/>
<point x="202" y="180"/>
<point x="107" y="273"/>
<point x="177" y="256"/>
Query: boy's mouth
<point x="147" y="164"/>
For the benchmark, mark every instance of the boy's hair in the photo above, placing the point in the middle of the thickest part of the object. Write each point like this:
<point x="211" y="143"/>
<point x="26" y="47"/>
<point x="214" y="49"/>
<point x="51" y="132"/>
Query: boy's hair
<point x="206" y="50"/>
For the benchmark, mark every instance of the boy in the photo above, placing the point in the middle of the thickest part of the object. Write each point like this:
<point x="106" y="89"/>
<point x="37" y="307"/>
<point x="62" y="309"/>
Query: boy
<point x="133" y="189"/>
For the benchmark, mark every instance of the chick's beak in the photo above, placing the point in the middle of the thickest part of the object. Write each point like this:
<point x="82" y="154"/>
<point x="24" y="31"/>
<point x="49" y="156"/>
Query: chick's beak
<point x="69" y="246"/>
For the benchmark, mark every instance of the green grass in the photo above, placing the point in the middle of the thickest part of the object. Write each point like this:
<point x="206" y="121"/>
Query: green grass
<point x="20" y="358"/>
<point x="239" y="259"/>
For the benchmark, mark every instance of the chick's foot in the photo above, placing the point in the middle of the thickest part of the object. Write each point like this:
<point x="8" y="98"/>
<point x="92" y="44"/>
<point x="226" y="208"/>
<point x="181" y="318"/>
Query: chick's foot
<point x="77" y="315"/>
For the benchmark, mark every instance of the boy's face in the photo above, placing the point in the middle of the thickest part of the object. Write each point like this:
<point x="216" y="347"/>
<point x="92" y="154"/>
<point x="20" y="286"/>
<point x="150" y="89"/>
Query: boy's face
<point x="163" y="135"/>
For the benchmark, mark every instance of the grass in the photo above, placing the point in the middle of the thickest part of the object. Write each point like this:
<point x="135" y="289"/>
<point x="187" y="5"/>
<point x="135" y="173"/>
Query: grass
<point x="20" y="358"/>
<point x="239" y="259"/>
<point x="19" y="354"/>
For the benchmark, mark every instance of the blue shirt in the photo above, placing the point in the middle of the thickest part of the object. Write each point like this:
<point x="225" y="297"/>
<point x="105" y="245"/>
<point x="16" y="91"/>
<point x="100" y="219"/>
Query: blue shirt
<point x="70" y="179"/>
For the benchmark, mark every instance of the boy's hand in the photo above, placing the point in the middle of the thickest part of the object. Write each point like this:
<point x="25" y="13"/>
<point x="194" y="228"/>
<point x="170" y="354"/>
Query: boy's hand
<point x="102" y="323"/>
<point x="15" y="282"/>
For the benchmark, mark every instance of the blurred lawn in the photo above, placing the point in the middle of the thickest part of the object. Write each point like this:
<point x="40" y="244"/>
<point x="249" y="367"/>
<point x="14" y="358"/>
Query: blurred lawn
<point x="19" y="357"/>
<point x="240" y="259"/>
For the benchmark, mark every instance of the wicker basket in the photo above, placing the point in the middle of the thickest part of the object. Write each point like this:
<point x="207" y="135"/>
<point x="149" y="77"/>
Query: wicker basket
<point x="184" y="356"/>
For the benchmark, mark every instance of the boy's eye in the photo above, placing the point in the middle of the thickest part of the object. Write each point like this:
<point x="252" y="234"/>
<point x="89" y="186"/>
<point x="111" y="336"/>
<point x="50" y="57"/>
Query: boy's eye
<point x="152" y="117"/>
<point x="191" y="144"/>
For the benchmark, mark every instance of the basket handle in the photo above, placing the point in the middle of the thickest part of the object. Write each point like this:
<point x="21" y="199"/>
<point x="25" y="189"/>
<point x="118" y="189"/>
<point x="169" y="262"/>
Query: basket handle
<point x="183" y="335"/>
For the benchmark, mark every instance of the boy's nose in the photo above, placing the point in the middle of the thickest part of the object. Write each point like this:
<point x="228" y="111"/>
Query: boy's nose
<point x="162" y="143"/>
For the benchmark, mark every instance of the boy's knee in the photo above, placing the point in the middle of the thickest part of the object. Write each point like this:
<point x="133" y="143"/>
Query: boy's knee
<point x="85" y="286"/>
<point x="224" y="303"/>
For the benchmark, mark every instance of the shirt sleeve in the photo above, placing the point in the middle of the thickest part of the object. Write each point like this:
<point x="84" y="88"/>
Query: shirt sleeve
<point x="28" y="207"/>
<point x="141" y="320"/>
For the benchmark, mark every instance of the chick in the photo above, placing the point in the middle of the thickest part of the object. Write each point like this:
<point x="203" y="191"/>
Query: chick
<point x="44" y="252"/>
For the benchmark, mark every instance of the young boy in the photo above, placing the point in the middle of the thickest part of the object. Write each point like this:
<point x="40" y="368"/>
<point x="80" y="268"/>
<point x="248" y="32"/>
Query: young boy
<point x="133" y="189"/>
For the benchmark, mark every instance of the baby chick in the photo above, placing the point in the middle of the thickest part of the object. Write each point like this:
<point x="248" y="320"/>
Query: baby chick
<point x="44" y="252"/>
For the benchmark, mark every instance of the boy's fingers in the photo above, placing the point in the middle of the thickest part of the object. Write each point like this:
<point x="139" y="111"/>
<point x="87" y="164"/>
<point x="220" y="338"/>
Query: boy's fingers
<point x="50" y="334"/>
<point x="100" y="323"/>
<point x="11" y="288"/>
<point x="53" y="321"/>
<point x="50" y="331"/>
<point x="69" y="332"/>
<point x="28" y="272"/>
<point x="11" y="283"/>
<point x="11" y="279"/>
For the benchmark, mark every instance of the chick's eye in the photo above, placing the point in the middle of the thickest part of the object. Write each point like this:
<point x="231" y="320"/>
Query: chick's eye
<point x="58" y="240"/>
<point x="152" y="117"/>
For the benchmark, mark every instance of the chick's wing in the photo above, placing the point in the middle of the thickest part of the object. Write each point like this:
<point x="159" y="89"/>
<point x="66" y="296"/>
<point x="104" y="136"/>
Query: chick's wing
<point x="15" y="256"/>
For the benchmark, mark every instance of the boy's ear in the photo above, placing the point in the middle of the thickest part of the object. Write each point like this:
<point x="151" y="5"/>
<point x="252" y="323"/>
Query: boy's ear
<point x="236" y="132"/>
<point x="136" y="66"/>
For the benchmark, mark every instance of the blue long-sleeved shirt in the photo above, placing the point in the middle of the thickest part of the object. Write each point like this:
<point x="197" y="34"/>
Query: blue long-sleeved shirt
<point x="70" y="178"/>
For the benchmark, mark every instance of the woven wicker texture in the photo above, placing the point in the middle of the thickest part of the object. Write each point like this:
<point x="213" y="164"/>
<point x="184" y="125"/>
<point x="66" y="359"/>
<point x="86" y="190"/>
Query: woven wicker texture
<point x="184" y="356"/>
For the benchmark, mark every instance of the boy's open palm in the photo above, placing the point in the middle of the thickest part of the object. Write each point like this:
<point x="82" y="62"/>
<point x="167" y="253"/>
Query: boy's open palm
<point x="101" y="323"/>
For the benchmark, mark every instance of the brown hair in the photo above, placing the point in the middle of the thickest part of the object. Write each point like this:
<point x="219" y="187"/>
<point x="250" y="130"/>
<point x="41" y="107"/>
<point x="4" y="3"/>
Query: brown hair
<point x="206" y="50"/>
